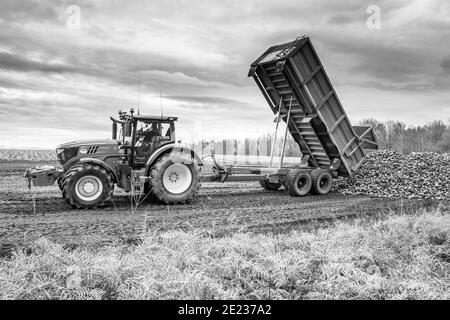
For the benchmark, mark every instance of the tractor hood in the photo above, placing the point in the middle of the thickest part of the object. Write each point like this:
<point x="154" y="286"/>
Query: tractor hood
<point x="91" y="142"/>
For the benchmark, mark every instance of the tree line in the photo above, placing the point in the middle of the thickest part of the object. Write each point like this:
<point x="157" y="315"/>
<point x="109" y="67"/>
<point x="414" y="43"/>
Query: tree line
<point x="396" y="136"/>
<point x="391" y="135"/>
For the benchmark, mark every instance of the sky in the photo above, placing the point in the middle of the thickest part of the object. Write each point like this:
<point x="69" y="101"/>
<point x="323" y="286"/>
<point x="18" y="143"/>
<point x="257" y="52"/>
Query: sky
<point x="65" y="66"/>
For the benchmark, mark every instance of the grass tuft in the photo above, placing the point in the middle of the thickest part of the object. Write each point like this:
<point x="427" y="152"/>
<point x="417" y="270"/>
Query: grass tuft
<point x="401" y="257"/>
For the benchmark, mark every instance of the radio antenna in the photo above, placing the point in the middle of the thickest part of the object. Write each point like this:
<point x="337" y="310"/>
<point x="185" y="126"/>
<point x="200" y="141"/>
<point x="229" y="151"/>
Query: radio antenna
<point x="160" y="98"/>
<point x="139" y="91"/>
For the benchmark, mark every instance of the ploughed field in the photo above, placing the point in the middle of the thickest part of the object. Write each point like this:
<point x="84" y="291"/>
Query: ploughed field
<point x="218" y="210"/>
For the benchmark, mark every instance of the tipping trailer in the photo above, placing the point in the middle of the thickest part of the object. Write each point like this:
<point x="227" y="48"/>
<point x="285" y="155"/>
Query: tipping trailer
<point x="299" y="92"/>
<point x="317" y="120"/>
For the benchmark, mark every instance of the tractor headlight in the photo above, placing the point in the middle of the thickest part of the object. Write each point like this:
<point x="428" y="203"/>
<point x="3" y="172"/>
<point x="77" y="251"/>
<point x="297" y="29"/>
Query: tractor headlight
<point x="59" y="151"/>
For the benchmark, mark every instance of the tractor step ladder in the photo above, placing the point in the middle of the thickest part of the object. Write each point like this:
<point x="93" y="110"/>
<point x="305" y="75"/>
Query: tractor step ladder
<point x="138" y="180"/>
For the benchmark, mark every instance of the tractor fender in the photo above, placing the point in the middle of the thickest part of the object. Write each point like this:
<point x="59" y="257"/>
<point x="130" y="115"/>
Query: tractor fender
<point x="102" y="164"/>
<point x="168" y="148"/>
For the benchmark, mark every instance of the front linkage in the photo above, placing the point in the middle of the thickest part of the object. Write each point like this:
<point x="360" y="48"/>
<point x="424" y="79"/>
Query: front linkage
<point x="43" y="176"/>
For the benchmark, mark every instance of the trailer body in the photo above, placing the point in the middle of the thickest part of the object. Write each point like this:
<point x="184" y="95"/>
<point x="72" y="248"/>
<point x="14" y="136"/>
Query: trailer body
<point x="291" y="76"/>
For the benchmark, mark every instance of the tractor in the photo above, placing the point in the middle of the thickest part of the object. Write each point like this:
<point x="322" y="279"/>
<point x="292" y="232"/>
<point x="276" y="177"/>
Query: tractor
<point x="142" y="157"/>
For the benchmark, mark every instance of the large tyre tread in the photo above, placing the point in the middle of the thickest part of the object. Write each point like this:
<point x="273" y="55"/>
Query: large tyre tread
<point x="315" y="175"/>
<point x="289" y="181"/>
<point x="157" y="188"/>
<point x="68" y="177"/>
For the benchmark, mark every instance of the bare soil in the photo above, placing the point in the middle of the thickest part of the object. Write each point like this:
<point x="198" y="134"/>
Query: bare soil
<point x="219" y="209"/>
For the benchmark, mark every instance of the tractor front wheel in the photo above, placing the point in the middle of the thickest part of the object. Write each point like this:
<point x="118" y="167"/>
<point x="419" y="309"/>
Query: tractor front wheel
<point x="175" y="178"/>
<point x="87" y="186"/>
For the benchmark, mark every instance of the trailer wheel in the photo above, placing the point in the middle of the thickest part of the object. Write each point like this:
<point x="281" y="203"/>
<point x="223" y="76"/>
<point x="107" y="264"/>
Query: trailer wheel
<point x="322" y="181"/>
<point x="87" y="186"/>
<point x="175" y="178"/>
<point x="266" y="184"/>
<point x="298" y="182"/>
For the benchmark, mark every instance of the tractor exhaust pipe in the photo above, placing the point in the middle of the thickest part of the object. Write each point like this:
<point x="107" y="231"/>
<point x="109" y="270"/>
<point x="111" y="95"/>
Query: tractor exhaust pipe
<point x="114" y="131"/>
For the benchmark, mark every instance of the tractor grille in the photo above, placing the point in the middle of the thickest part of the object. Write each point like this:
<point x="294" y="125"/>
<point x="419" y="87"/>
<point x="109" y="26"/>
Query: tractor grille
<point x="68" y="154"/>
<point x="92" y="149"/>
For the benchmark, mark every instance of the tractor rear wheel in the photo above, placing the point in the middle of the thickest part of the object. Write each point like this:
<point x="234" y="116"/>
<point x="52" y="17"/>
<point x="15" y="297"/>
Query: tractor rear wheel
<point x="266" y="184"/>
<point x="148" y="194"/>
<point x="298" y="182"/>
<point x="87" y="186"/>
<point x="175" y="178"/>
<point x="322" y="181"/>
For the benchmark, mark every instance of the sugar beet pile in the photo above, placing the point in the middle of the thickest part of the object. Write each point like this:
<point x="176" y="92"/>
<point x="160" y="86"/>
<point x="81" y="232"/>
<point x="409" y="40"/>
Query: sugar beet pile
<point x="390" y="174"/>
<point x="11" y="155"/>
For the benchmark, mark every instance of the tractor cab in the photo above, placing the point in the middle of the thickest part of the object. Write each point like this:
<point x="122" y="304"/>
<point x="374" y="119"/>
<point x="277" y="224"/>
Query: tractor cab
<point x="141" y="135"/>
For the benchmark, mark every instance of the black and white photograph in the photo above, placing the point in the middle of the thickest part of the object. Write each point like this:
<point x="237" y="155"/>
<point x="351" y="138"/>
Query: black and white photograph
<point x="225" y="155"/>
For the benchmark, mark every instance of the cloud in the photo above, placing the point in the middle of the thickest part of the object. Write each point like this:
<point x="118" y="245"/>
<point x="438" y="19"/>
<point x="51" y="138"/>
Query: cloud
<point x="198" y="54"/>
<point x="445" y="64"/>
<point x="25" y="11"/>
<point x="343" y="18"/>
<point x="207" y="100"/>
<point x="17" y="63"/>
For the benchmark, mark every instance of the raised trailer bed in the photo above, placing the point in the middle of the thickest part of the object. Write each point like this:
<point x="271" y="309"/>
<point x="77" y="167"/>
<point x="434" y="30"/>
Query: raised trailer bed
<point x="298" y="90"/>
<point x="317" y="122"/>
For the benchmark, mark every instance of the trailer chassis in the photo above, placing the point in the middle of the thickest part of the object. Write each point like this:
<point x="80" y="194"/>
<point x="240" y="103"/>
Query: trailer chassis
<point x="292" y="177"/>
<point x="224" y="173"/>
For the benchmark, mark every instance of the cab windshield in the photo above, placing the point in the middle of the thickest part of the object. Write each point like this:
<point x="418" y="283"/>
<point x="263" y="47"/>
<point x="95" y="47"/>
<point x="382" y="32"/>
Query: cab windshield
<point x="151" y="132"/>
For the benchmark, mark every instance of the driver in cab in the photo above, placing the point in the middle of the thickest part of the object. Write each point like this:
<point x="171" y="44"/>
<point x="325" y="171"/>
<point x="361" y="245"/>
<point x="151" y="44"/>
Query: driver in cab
<point x="147" y="137"/>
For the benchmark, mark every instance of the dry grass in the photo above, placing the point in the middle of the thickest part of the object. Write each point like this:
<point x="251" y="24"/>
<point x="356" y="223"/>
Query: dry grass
<point x="401" y="257"/>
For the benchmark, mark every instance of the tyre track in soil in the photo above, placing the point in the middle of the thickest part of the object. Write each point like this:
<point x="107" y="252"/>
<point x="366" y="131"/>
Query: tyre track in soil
<point x="219" y="209"/>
